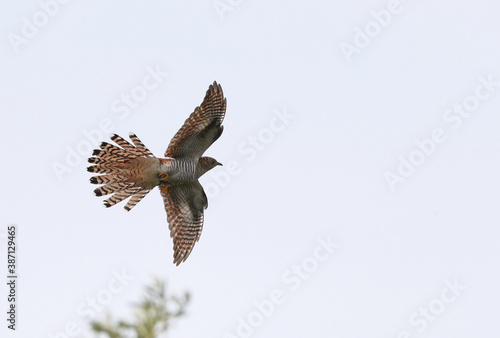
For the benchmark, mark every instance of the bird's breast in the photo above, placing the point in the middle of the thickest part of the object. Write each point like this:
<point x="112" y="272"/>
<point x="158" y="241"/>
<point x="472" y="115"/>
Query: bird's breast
<point x="178" y="170"/>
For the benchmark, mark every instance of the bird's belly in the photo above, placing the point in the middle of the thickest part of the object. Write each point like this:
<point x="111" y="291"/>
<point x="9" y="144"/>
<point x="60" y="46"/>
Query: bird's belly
<point x="179" y="171"/>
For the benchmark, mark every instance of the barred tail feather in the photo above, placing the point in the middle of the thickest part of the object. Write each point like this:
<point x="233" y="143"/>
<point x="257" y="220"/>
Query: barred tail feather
<point x="139" y="145"/>
<point x="112" y="188"/>
<point x="121" y="166"/>
<point x="113" y="150"/>
<point x="125" y="145"/>
<point x="105" y="179"/>
<point x="107" y="168"/>
<point x="136" y="198"/>
<point x="120" y="196"/>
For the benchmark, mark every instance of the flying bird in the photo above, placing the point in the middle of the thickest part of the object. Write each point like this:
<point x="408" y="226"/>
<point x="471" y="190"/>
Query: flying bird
<point x="131" y="170"/>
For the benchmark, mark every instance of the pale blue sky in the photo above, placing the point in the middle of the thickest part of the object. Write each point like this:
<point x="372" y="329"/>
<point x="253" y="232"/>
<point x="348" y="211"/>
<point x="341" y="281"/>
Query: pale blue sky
<point x="311" y="134"/>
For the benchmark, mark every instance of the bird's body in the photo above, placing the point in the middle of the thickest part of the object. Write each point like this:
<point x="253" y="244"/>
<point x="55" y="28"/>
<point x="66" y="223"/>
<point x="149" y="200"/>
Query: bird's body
<point x="131" y="170"/>
<point x="179" y="170"/>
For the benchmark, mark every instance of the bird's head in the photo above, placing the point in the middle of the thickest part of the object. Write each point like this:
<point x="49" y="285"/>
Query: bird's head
<point x="205" y="164"/>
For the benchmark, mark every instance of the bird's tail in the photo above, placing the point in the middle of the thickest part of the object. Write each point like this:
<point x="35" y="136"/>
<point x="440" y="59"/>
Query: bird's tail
<point x="121" y="166"/>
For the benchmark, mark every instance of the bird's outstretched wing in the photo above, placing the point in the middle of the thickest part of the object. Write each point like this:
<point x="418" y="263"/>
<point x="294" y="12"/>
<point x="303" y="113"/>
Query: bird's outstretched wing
<point x="184" y="204"/>
<point x="202" y="128"/>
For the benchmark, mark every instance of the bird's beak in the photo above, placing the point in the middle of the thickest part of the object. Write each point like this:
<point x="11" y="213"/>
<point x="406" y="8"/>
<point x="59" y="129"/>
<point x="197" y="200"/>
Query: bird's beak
<point x="218" y="163"/>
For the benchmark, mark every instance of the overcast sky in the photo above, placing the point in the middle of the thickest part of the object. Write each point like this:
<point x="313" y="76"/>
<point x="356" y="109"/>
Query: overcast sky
<point x="361" y="150"/>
